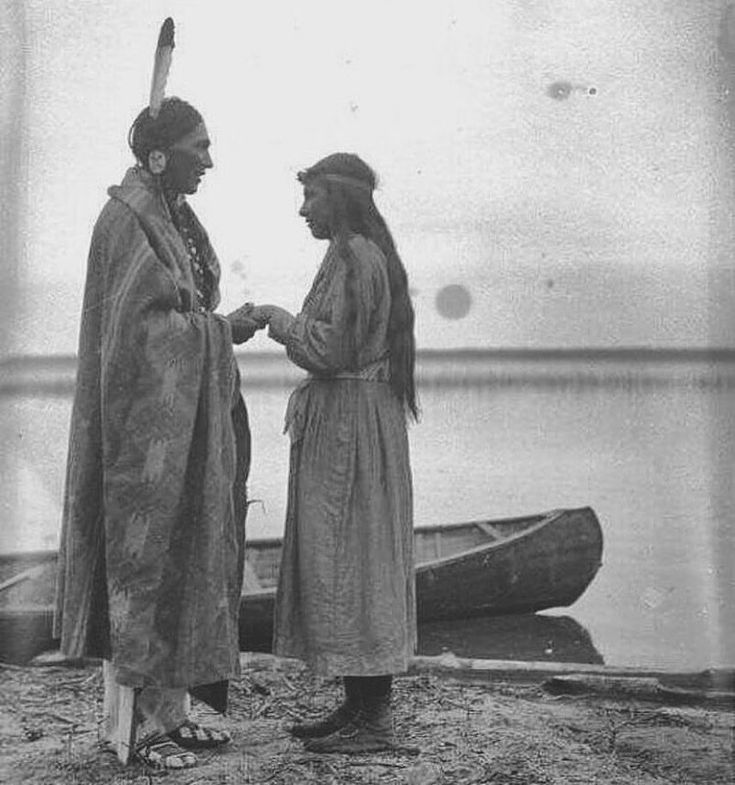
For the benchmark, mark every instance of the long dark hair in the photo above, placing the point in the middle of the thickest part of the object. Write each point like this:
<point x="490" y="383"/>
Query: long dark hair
<point x="351" y="192"/>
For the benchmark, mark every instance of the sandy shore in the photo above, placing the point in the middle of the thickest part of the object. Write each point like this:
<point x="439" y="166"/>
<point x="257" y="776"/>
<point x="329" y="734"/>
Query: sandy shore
<point x="454" y="731"/>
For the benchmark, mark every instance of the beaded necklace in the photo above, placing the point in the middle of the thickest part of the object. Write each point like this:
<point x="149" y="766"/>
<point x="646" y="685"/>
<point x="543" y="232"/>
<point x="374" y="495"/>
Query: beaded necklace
<point x="183" y="218"/>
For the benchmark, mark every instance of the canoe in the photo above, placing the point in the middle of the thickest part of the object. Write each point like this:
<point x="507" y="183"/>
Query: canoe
<point x="463" y="570"/>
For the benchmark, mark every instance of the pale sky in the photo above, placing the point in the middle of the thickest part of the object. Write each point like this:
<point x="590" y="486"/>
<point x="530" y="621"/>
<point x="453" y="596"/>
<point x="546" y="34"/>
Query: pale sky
<point x="567" y="162"/>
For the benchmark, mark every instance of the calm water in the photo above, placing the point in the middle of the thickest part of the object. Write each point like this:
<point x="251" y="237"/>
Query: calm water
<point x="652" y="453"/>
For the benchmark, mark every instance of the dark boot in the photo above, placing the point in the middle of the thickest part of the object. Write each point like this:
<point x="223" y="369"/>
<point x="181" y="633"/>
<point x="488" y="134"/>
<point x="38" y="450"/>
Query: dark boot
<point x="371" y="730"/>
<point x="337" y="719"/>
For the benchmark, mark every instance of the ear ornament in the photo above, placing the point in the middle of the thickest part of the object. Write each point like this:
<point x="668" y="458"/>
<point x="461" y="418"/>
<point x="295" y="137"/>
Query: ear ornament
<point x="156" y="161"/>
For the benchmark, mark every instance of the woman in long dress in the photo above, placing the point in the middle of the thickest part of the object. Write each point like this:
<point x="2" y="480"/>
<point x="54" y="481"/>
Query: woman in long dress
<point x="346" y="597"/>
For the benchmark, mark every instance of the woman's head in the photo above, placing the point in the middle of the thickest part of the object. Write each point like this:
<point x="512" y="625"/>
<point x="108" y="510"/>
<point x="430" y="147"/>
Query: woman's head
<point x="338" y="195"/>
<point x="338" y="201"/>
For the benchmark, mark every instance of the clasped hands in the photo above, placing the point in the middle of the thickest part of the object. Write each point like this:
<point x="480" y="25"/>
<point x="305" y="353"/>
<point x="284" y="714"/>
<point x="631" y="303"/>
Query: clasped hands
<point x="246" y="320"/>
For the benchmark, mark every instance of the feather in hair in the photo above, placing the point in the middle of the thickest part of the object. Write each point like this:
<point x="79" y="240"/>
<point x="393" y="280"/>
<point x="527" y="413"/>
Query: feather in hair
<point x="161" y="66"/>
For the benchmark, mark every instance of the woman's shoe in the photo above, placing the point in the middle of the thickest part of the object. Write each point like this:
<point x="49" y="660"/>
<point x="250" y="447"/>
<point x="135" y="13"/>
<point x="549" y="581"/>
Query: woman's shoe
<point x="337" y="719"/>
<point x="371" y="730"/>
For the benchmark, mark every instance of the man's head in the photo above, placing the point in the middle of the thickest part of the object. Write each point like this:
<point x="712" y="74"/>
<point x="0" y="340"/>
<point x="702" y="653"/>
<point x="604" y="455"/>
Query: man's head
<point x="337" y="195"/>
<point x="174" y="145"/>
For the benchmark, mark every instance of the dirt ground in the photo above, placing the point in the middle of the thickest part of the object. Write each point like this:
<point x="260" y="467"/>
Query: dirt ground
<point x="453" y="731"/>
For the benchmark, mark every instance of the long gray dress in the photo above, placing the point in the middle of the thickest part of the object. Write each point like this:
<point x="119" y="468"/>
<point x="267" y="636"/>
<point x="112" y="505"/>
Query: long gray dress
<point x="346" y="597"/>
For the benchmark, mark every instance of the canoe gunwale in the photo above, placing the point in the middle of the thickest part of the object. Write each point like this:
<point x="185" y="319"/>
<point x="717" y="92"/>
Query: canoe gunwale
<point x="46" y="555"/>
<point x="496" y="544"/>
<point x="271" y="542"/>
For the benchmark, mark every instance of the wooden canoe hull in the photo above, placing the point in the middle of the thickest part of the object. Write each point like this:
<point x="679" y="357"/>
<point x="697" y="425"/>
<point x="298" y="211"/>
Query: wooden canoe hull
<point x="546" y="565"/>
<point x="484" y="568"/>
<point x="25" y="632"/>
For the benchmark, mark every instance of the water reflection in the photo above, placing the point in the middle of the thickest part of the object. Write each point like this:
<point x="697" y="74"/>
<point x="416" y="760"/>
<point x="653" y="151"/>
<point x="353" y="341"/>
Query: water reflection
<point x="528" y="637"/>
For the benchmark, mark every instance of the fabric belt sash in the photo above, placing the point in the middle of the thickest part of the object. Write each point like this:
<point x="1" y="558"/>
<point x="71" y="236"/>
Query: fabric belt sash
<point x="376" y="372"/>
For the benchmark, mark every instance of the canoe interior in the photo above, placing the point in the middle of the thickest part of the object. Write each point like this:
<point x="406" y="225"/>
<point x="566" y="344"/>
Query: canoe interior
<point x="430" y="543"/>
<point x="263" y="557"/>
<point x="12" y="564"/>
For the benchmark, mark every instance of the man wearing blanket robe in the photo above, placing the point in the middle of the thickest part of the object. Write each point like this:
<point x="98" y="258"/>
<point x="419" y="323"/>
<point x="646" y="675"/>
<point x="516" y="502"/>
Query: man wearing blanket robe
<point x="153" y="534"/>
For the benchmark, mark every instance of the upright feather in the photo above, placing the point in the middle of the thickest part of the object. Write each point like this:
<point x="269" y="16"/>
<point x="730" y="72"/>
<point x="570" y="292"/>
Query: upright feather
<point x="161" y="65"/>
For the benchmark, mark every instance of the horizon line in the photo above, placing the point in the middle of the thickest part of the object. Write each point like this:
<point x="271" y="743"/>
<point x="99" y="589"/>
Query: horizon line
<point x="468" y="352"/>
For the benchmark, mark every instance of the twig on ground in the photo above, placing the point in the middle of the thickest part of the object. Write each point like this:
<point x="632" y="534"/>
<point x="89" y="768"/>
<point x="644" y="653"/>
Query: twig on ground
<point x="78" y="682"/>
<point x="262" y="708"/>
<point x="61" y="718"/>
<point x="291" y="712"/>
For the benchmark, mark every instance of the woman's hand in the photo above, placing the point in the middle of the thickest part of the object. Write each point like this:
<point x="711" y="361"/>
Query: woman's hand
<point x="242" y="323"/>
<point x="278" y="319"/>
<point x="262" y="314"/>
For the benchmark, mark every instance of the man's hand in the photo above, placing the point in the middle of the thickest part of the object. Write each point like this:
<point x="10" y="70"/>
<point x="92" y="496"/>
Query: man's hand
<point x="242" y="323"/>
<point x="261" y="313"/>
<point x="278" y="319"/>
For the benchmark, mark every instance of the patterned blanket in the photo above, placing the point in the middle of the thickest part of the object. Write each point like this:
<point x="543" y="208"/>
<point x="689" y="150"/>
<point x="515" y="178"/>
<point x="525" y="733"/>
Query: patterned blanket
<point x="152" y="545"/>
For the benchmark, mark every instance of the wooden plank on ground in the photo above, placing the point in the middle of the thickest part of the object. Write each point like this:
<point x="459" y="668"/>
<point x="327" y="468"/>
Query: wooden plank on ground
<point x="637" y="688"/>
<point x="722" y="679"/>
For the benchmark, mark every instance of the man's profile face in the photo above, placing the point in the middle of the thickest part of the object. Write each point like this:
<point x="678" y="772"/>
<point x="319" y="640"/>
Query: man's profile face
<point x="317" y="210"/>
<point x="188" y="160"/>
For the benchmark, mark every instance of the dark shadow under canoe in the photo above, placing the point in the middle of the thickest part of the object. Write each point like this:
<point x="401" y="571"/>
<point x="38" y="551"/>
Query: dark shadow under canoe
<point x="529" y="637"/>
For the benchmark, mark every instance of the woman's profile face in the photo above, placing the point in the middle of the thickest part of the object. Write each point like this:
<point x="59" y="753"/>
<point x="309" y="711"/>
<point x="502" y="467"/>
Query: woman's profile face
<point x="317" y="210"/>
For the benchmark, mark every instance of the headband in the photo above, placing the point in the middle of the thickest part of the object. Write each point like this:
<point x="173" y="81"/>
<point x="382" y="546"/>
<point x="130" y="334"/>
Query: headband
<point x="353" y="181"/>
